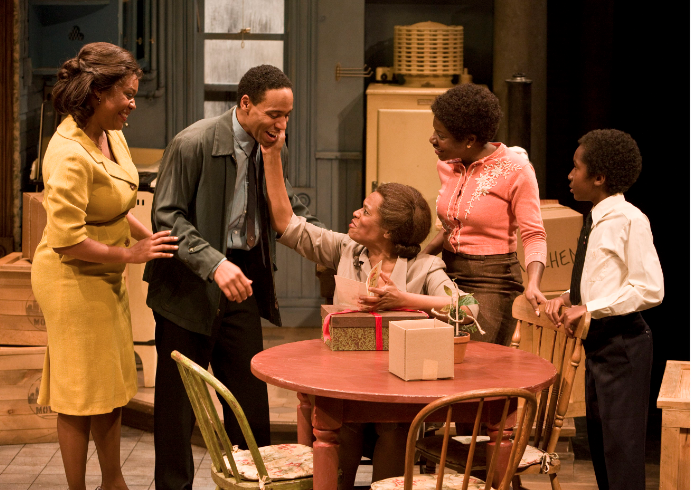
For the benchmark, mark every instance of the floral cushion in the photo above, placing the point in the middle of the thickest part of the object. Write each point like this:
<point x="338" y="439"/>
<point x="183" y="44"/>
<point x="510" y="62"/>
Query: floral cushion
<point x="533" y="455"/>
<point x="450" y="481"/>
<point x="283" y="461"/>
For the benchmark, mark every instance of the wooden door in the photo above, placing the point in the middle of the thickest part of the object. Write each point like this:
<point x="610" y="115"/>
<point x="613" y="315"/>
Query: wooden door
<point x="326" y="135"/>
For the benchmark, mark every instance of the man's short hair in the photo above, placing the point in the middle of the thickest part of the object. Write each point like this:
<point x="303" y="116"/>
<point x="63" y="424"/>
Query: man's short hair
<point x="259" y="79"/>
<point x="613" y="154"/>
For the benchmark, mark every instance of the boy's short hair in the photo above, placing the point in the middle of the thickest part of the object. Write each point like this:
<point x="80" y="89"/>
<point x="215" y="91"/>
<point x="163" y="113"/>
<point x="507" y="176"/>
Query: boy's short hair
<point x="259" y="79"/>
<point x="613" y="154"/>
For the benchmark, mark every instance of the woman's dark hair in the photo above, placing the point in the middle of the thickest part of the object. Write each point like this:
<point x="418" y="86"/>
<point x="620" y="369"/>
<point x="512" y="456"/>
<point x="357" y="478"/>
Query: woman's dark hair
<point x="613" y="154"/>
<point x="405" y="214"/>
<point x="97" y="67"/>
<point x="468" y="109"/>
<point x="259" y="79"/>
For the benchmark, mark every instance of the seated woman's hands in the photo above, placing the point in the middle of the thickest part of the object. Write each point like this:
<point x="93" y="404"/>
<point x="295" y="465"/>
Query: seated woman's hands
<point x="387" y="296"/>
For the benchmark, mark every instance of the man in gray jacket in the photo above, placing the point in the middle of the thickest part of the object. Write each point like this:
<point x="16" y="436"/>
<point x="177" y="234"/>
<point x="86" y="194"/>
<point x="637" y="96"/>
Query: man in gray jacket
<point x="207" y="304"/>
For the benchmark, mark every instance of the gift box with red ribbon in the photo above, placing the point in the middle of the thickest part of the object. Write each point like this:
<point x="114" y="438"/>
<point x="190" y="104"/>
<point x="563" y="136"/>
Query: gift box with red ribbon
<point x="347" y="329"/>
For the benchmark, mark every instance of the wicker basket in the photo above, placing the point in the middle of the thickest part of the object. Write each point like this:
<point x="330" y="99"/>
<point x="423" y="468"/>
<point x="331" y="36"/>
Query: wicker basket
<point x="429" y="53"/>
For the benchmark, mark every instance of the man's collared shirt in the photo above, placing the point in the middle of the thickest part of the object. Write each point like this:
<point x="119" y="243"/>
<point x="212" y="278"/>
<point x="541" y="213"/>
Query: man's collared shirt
<point x="242" y="150"/>
<point x="622" y="272"/>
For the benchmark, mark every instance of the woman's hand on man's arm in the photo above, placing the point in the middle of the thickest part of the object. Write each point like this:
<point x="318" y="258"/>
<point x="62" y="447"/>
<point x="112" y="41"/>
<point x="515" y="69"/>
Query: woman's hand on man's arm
<point x="156" y="246"/>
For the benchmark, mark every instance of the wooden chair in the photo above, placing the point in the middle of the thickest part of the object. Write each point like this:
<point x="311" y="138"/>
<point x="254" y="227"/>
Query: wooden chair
<point x="457" y="481"/>
<point x="270" y="467"/>
<point x="564" y="351"/>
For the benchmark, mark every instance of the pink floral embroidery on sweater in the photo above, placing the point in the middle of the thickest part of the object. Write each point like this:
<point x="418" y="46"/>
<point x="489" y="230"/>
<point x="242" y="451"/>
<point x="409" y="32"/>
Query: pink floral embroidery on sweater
<point x="488" y="179"/>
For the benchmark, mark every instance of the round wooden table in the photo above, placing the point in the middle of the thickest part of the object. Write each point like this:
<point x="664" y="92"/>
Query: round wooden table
<point x="356" y="386"/>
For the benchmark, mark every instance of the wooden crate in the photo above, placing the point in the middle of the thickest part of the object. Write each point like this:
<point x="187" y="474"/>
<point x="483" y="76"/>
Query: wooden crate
<point x="674" y="400"/>
<point x="21" y="318"/>
<point x="22" y="420"/>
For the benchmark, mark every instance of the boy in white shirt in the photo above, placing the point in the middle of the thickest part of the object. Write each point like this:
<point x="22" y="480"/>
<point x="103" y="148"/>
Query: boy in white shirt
<point x="616" y="275"/>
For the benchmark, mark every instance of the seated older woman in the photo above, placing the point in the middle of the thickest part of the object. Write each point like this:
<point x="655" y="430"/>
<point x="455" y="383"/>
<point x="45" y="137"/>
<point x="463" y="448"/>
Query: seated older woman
<point x="390" y="226"/>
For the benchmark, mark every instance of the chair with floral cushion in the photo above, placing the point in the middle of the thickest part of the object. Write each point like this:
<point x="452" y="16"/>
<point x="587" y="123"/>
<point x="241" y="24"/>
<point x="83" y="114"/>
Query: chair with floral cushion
<point x="284" y="466"/>
<point x="464" y="481"/>
<point x="564" y="351"/>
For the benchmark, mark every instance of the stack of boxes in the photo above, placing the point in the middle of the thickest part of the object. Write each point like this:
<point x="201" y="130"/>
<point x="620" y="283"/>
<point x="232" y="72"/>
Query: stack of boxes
<point x="147" y="161"/>
<point x="23" y="339"/>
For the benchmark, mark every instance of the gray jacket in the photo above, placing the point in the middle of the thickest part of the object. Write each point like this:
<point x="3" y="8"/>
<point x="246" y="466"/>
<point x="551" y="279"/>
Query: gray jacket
<point x="193" y="196"/>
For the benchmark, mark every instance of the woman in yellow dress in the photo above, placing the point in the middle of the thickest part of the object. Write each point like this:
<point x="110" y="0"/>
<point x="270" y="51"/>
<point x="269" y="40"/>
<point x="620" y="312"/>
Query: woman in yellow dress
<point x="91" y="184"/>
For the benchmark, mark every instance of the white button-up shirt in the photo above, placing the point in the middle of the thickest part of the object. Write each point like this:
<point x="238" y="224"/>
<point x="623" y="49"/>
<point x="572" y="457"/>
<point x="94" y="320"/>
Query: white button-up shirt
<point x="622" y="273"/>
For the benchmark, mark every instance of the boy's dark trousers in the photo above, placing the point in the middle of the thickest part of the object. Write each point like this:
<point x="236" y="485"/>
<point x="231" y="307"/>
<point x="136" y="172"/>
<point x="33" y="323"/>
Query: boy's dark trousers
<point x="619" y="352"/>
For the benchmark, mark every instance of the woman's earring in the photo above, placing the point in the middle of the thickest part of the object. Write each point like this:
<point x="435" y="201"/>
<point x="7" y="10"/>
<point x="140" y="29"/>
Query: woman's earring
<point x="99" y="99"/>
<point x="468" y="146"/>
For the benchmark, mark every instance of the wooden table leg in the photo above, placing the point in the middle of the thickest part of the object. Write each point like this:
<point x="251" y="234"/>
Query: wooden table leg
<point x="304" y="420"/>
<point x="327" y="419"/>
<point x="505" y="447"/>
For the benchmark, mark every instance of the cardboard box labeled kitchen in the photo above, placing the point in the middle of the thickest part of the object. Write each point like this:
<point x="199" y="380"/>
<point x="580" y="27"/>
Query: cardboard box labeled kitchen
<point x="357" y="331"/>
<point x="562" y="227"/>
<point x="21" y="318"/>
<point x="421" y="349"/>
<point x="22" y="420"/>
<point x="33" y="222"/>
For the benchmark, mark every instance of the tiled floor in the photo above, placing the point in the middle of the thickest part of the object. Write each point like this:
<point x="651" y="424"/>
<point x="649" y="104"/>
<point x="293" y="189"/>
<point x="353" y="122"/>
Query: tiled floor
<point x="39" y="466"/>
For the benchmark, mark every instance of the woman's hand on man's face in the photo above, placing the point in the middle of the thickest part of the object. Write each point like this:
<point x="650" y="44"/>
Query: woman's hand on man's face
<point x="271" y="150"/>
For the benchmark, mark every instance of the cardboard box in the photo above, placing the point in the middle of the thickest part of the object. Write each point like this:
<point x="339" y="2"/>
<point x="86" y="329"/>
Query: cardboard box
<point x="143" y="324"/>
<point x="21" y="318"/>
<point x="22" y="420"/>
<point x="33" y="222"/>
<point x="356" y="331"/>
<point x="562" y="228"/>
<point x="421" y="349"/>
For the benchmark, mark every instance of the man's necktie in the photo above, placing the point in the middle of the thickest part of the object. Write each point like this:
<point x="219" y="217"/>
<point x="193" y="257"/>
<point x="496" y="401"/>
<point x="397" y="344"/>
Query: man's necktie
<point x="575" y="285"/>
<point x="251" y="198"/>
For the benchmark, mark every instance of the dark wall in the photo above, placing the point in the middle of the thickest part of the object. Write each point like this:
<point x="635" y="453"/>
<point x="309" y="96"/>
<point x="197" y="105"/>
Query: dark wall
<point x="475" y="15"/>
<point x="625" y="65"/>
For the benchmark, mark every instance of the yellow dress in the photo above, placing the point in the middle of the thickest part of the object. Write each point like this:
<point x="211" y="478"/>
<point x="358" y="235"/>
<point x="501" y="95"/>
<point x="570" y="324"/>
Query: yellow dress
<point x="89" y="367"/>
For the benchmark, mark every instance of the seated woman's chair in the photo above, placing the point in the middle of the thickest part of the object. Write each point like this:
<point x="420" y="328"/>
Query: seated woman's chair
<point x="286" y="466"/>
<point x="564" y="351"/>
<point x="458" y="481"/>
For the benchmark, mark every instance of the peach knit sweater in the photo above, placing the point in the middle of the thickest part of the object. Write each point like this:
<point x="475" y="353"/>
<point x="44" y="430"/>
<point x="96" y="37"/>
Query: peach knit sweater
<point x="481" y="207"/>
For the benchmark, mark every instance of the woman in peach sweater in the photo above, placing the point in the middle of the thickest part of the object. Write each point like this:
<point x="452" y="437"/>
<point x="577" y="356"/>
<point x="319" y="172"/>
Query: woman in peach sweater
<point x="488" y="191"/>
